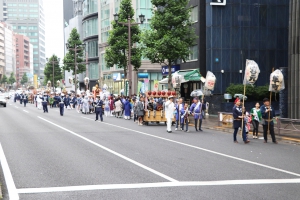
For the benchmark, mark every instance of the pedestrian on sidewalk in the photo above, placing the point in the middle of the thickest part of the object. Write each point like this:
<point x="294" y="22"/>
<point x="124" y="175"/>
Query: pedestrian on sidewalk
<point x="185" y="117"/>
<point x="179" y="106"/>
<point x="140" y="110"/>
<point x="237" y="121"/>
<point x="256" y="118"/>
<point x="196" y="109"/>
<point x="169" y="112"/>
<point x="268" y="114"/>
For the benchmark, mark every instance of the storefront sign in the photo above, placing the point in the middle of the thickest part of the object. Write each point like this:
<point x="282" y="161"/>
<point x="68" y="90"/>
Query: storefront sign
<point x="117" y="76"/>
<point x="218" y="3"/>
<point x="165" y="69"/>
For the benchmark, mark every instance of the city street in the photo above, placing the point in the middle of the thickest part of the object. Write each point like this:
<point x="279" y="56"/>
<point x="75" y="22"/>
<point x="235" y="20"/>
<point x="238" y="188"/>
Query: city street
<point x="47" y="156"/>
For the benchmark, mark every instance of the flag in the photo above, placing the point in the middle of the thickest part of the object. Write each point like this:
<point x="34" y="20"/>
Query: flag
<point x="210" y="81"/>
<point x="276" y="81"/>
<point x="251" y="72"/>
<point x="155" y="88"/>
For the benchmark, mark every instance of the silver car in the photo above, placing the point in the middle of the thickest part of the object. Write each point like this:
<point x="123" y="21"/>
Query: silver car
<point x="3" y="100"/>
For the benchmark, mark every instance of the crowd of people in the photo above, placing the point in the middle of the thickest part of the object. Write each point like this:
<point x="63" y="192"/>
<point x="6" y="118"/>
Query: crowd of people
<point x="176" y="111"/>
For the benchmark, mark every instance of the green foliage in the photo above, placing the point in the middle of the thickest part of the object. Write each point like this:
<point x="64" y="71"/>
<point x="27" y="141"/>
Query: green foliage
<point x="115" y="54"/>
<point x="69" y="59"/>
<point x="49" y="71"/>
<point x="12" y="78"/>
<point x="171" y="34"/>
<point x="4" y="79"/>
<point x="252" y="92"/>
<point x="24" y="79"/>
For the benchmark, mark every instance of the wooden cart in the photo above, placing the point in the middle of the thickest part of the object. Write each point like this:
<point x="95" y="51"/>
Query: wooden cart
<point x="158" y="115"/>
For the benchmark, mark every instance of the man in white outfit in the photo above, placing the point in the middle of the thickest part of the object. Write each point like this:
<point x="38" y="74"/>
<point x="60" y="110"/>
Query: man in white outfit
<point x="169" y="112"/>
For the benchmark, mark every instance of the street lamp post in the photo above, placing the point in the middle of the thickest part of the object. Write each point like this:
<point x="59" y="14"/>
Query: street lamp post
<point x="53" y="62"/>
<point x="75" y="49"/>
<point x="129" y="25"/>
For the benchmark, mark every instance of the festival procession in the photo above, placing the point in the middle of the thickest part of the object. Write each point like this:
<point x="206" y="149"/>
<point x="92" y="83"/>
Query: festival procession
<point x="166" y="107"/>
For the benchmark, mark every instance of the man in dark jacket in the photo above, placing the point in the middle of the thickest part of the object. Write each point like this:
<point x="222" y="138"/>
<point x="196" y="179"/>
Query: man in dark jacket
<point x="268" y="114"/>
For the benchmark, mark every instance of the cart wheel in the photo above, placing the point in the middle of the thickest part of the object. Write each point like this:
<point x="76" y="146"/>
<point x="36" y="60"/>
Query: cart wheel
<point x="157" y="122"/>
<point x="165" y="123"/>
<point x="147" y="123"/>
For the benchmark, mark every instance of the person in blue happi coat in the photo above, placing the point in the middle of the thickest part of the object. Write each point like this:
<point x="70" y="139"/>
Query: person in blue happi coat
<point x="237" y="113"/>
<point x="99" y="108"/>
<point x="25" y="99"/>
<point x="61" y="101"/>
<point x="21" y="98"/>
<point x="196" y="109"/>
<point x="45" y="100"/>
<point x="179" y="106"/>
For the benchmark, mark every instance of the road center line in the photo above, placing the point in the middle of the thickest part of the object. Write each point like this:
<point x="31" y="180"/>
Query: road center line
<point x="202" y="149"/>
<point x="113" y="152"/>
<point x="158" y="185"/>
<point x="11" y="187"/>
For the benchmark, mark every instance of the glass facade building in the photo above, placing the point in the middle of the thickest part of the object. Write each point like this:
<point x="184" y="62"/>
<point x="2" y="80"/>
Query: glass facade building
<point x="246" y="29"/>
<point x="27" y="18"/>
<point x="90" y="37"/>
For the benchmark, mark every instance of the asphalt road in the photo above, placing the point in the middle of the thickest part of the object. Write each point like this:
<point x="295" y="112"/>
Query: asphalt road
<point x="47" y="156"/>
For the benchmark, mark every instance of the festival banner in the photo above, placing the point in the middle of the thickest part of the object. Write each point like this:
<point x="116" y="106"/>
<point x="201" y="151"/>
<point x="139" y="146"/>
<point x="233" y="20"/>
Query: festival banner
<point x="251" y="72"/>
<point x="155" y="86"/>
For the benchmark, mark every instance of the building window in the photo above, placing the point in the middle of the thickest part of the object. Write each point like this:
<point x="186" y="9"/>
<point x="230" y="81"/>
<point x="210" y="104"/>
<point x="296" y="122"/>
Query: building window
<point x="193" y="53"/>
<point x="194" y="14"/>
<point x="90" y="27"/>
<point x="90" y="6"/>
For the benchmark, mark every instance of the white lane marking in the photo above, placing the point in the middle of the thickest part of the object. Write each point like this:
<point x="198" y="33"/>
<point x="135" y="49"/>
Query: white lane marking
<point x="26" y="111"/>
<point x="113" y="152"/>
<point x="11" y="187"/>
<point x="16" y="107"/>
<point x="157" y="185"/>
<point x="207" y="150"/>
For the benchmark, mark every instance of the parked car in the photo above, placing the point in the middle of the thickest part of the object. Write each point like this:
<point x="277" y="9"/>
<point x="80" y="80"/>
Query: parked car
<point x="3" y="100"/>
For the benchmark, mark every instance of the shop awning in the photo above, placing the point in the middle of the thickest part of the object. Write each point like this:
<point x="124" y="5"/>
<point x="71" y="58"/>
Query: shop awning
<point x="188" y="75"/>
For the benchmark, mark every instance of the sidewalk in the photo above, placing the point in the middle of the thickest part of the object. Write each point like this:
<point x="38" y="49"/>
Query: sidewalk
<point x="211" y="122"/>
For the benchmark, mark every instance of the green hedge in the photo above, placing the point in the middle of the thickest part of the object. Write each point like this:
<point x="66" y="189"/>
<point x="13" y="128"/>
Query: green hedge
<point x="254" y="93"/>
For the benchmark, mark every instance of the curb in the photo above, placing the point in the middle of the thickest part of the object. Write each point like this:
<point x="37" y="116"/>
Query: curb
<point x="230" y="131"/>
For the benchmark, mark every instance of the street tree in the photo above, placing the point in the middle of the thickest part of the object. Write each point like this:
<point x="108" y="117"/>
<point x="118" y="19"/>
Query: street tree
<point x="4" y="79"/>
<point x="52" y="66"/>
<point x="24" y="79"/>
<point x="171" y="34"/>
<point x="116" y="53"/>
<point x="69" y="59"/>
<point x="12" y="78"/>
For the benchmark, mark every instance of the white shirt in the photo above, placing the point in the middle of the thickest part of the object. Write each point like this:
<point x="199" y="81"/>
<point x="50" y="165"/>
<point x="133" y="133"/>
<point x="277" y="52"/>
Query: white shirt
<point x="169" y="109"/>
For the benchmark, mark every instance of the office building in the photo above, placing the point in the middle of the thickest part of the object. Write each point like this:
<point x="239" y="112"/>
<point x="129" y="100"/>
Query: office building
<point x="2" y="51"/>
<point x="229" y="32"/>
<point x="75" y="22"/>
<point x="68" y="11"/>
<point x="22" y="57"/>
<point x="113" y="77"/>
<point x="294" y="61"/>
<point x="10" y="49"/>
<point x="90" y="38"/>
<point x="27" y="18"/>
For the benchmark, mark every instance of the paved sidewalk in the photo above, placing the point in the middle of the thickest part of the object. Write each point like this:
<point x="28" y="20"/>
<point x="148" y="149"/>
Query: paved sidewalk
<point x="211" y="122"/>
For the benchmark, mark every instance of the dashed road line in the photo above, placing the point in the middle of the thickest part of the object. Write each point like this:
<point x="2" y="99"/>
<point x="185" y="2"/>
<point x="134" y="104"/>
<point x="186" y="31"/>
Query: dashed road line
<point x="113" y="152"/>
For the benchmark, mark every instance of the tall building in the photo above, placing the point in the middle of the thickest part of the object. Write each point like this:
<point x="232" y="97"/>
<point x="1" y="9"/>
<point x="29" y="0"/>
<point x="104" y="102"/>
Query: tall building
<point x="22" y="57"/>
<point x="113" y="77"/>
<point x="10" y="51"/>
<point x="2" y="51"/>
<point x="232" y="31"/>
<point x="3" y="10"/>
<point x="27" y="18"/>
<point x="68" y="11"/>
<point x="90" y="38"/>
<point x="294" y="61"/>
<point x="75" y="22"/>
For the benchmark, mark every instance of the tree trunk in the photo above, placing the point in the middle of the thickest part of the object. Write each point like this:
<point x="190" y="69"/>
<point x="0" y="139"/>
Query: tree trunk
<point x="170" y="76"/>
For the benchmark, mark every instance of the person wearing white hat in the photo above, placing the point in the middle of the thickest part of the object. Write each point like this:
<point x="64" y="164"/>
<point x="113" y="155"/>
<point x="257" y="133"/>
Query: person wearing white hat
<point x="169" y="112"/>
<point x="61" y="101"/>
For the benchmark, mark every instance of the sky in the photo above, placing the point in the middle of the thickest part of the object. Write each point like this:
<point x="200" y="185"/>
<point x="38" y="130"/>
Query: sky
<point x="54" y="33"/>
